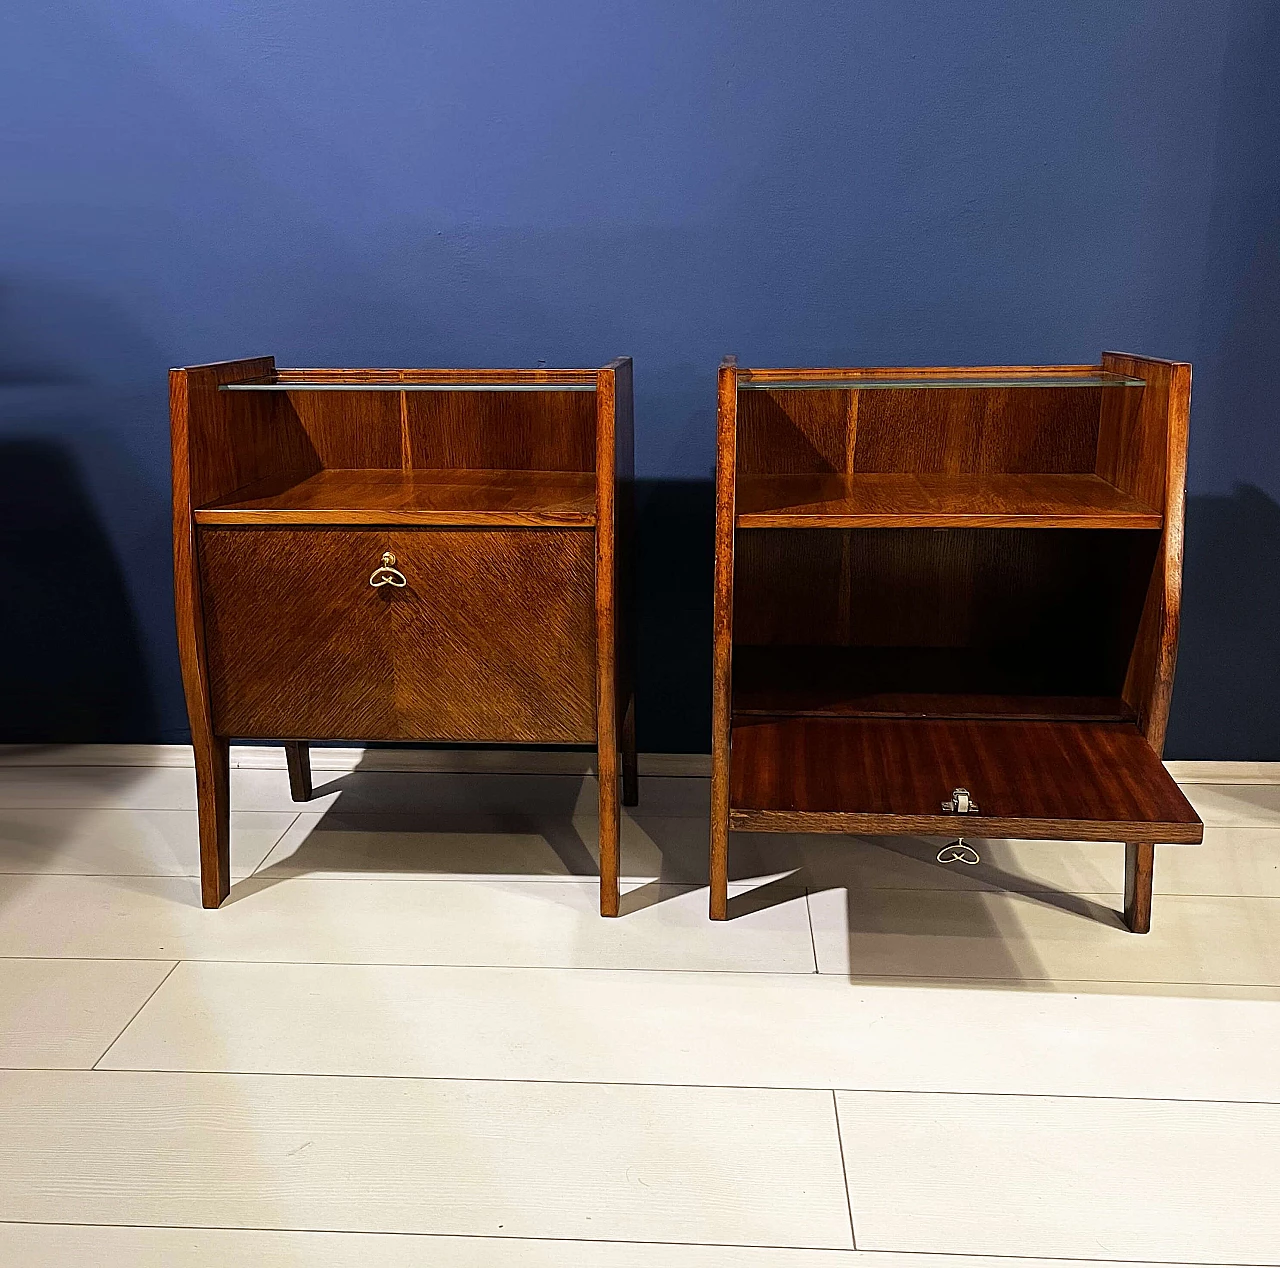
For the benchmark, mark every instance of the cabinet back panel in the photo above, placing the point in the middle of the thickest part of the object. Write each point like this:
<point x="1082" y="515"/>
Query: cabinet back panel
<point x="1074" y="595"/>
<point x="972" y="431"/>
<point x="793" y="433"/>
<point x="532" y="431"/>
<point x="348" y="430"/>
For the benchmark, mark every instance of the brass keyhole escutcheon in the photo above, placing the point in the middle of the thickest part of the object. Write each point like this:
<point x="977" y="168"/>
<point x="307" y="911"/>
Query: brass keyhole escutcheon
<point x="388" y="574"/>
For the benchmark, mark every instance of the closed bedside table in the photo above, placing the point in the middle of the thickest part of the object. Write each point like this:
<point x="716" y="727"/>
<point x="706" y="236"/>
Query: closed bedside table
<point x="403" y="555"/>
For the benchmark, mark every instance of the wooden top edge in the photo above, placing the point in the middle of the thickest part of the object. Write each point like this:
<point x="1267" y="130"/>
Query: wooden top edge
<point x="765" y="375"/>
<point x="445" y="374"/>
<point x="1134" y="356"/>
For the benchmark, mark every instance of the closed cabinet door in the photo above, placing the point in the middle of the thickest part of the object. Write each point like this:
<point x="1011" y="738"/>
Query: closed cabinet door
<point x="467" y="635"/>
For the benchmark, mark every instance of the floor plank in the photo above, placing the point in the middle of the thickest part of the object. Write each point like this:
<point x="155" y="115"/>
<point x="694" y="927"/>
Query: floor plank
<point x="65" y="1013"/>
<point x="368" y="792"/>
<point x="749" y="1030"/>
<point x="404" y="1155"/>
<point x="1236" y="805"/>
<point x="128" y="842"/>
<point x="1232" y="861"/>
<point x="1039" y="937"/>
<point x="1063" y="1177"/>
<point x="400" y="922"/>
<point x="338" y="845"/>
<point x="57" y="1245"/>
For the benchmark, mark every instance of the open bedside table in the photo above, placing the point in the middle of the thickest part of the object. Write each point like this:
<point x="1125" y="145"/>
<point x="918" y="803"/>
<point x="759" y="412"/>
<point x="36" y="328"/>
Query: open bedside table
<point x="403" y="555"/>
<point x="947" y="602"/>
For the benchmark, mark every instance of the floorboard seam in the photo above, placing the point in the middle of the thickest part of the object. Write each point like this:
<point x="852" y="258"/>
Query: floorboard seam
<point x="134" y="1018"/>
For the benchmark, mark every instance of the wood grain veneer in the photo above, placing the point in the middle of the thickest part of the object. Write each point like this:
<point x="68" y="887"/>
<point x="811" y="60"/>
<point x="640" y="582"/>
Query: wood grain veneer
<point x="1054" y="780"/>
<point x="927" y="500"/>
<point x="510" y="515"/>
<point x="926" y="583"/>
<point x="421" y="498"/>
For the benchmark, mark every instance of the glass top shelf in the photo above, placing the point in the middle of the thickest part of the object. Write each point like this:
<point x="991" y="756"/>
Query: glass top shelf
<point x="939" y="382"/>
<point x="312" y="385"/>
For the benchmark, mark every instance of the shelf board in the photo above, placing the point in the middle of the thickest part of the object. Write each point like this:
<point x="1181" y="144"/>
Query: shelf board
<point x="1074" y="781"/>
<point x="906" y="500"/>
<point x="916" y="682"/>
<point x="529" y="499"/>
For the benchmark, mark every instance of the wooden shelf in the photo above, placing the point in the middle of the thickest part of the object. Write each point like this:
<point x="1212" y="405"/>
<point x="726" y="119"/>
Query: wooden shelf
<point x="918" y="682"/>
<point x="563" y="499"/>
<point x="903" y="500"/>
<point x="1097" y="781"/>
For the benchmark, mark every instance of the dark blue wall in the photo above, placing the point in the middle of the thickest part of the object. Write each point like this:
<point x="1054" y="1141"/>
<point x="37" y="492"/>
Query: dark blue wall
<point x="402" y="182"/>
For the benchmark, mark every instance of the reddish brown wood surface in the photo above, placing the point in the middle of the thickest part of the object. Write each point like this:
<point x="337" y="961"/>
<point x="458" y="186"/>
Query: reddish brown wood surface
<point x="606" y="645"/>
<point x="776" y="374"/>
<point x="200" y="470"/>
<point x="825" y="681"/>
<point x="463" y="497"/>
<point x="491" y="639"/>
<point x="722" y="636"/>
<point x="298" y="760"/>
<point x="1146" y="451"/>
<point x="326" y="374"/>
<point x="537" y="431"/>
<point x="1139" y="876"/>
<point x="1054" y="780"/>
<point x="905" y="500"/>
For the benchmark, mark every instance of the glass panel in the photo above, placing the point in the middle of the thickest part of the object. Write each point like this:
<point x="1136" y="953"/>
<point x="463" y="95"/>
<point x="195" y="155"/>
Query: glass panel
<point x="1013" y="380"/>
<point x="278" y="386"/>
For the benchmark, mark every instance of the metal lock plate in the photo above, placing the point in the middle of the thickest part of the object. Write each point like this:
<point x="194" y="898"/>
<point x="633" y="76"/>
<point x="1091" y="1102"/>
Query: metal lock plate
<point x="960" y="804"/>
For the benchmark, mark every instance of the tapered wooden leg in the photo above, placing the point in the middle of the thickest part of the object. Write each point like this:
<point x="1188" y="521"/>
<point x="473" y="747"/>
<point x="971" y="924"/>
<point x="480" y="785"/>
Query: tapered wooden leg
<point x="213" y="803"/>
<point x="607" y="769"/>
<point x="630" y="765"/>
<point x="718" y="865"/>
<point x="1139" y="873"/>
<point x="298" y="758"/>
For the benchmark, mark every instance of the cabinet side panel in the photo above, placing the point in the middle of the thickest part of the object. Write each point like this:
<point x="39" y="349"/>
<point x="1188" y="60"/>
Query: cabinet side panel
<point x="526" y="431"/>
<point x="237" y="438"/>
<point x="1145" y="453"/>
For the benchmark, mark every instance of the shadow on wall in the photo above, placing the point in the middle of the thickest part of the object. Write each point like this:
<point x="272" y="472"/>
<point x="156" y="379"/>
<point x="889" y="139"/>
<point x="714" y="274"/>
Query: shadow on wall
<point x="1226" y="699"/>
<point x="71" y="663"/>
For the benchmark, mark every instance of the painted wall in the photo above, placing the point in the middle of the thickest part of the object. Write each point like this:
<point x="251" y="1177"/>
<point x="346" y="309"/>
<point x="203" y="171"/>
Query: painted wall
<point x="491" y="183"/>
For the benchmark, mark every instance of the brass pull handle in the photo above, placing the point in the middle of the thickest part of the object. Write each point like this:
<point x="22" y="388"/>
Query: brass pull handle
<point x="388" y="574"/>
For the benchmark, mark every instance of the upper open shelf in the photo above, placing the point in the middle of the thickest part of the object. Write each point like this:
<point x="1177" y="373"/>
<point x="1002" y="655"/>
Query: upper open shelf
<point x="902" y="382"/>
<point x="873" y="499"/>
<point x="474" y="499"/>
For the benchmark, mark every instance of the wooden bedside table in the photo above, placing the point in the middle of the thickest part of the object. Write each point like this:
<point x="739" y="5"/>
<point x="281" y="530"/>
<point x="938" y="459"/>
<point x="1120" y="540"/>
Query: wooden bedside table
<point x="947" y="602"/>
<point x="412" y="555"/>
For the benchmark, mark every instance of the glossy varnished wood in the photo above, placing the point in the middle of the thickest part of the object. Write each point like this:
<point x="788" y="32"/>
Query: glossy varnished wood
<point x="920" y="569"/>
<point x="203" y="469"/>
<point x="911" y="500"/>
<point x="1053" y="780"/>
<point x="476" y="498"/>
<point x="301" y="644"/>
<point x="722" y="636"/>
<point x="1144" y="449"/>
<point x="507" y="498"/>
<point x="298" y="760"/>
<point x="1139" y="879"/>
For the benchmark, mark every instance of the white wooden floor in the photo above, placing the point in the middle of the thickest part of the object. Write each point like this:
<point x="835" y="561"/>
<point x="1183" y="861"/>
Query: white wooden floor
<point x="408" y="1038"/>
